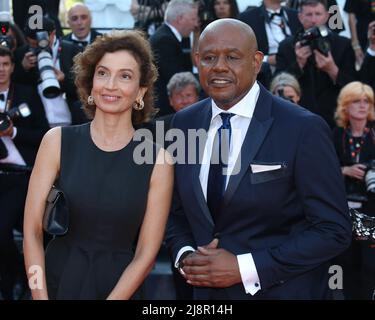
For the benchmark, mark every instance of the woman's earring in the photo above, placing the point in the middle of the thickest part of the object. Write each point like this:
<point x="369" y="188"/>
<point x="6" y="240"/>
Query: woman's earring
<point x="90" y="100"/>
<point x="139" y="105"/>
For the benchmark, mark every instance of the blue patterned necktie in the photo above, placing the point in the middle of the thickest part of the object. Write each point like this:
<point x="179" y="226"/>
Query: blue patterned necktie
<point x="219" y="165"/>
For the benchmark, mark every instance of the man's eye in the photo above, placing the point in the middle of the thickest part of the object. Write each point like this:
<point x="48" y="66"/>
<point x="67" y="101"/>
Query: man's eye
<point x="209" y="58"/>
<point x="126" y="76"/>
<point x="232" y="58"/>
<point x="101" y="73"/>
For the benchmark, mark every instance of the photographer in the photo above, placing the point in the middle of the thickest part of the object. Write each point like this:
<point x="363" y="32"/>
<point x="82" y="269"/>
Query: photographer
<point x="59" y="111"/>
<point x="19" y="141"/>
<point x="322" y="61"/>
<point x="355" y="145"/>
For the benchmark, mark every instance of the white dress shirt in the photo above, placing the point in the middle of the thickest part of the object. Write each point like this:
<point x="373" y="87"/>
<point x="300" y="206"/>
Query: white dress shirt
<point x="274" y="33"/>
<point x="243" y="112"/>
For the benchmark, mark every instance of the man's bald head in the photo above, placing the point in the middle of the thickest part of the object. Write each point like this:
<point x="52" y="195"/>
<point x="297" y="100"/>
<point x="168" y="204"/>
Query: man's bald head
<point x="79" y="20"/>
<point x="228" y="61"/>
<point x="217" y="27"/>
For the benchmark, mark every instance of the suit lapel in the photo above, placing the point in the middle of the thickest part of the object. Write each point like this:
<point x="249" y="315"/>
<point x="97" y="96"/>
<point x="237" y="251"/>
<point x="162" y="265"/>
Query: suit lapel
<point x="202" y="122"/>
<point x="255" y="135"/>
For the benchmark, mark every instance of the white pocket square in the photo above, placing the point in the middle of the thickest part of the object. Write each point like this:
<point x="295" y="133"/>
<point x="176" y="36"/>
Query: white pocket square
<point x="255" y="168"/>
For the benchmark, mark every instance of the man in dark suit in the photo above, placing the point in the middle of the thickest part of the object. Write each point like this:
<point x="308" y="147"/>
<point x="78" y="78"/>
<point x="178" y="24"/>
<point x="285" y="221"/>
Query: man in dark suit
<point x="79" y="20"/>
<point x="19" y="143"/>
<point x="181" y="17"/>
<point x="272" y="23"/>
<point x="320" y="74"/>
<point x="63" y="52"/>
<point x="268" y="214"/>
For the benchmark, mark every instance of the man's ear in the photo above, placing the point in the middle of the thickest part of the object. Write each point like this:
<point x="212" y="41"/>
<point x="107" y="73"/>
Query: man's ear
<point x="258" y="60"/>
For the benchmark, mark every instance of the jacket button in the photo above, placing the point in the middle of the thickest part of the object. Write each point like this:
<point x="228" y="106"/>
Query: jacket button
<point x="217" y="235"/>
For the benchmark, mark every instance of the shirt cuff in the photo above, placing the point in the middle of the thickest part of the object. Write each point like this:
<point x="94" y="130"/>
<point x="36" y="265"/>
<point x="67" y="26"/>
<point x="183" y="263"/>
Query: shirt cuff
<point x="14" y="132"/>
<point x="181" y="252"/>
<point x="249" y="274"/>
<point x="265" y="58"/>
<point x="371" y="52"/>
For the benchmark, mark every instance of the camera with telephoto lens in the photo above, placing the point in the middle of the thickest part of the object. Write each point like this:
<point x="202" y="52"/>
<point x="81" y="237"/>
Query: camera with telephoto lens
<point x="50" y="84"/>
<point x="370" y="176"/>
<point x="316" y="38"/>
<point x="6" y="118"/>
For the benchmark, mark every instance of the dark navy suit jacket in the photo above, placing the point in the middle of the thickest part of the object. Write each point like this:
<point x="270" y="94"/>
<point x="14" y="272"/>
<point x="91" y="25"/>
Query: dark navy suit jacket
<point x="293" y="220"/>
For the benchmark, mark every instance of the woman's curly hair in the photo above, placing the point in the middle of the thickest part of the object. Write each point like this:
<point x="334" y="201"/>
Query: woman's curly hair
<point x="136" y="43"/>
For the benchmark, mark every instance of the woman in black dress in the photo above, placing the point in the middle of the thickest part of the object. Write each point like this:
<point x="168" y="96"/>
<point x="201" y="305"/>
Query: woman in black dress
<point x="355" y="145"/>
<point x="118" y="205"/>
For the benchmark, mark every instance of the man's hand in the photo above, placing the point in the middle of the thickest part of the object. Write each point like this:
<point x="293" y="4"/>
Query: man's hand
<point x="59" y="75"/>
<point x="8" y="132"/>
<point x="326" y="64"/>
<point x="29" y="61"/>
<point x="356" y="171"/>
<point x="211" y="267"/>
<point x="302" y="54"/>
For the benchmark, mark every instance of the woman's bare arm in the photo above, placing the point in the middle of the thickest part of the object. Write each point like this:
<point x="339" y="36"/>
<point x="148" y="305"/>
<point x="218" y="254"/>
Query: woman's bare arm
<point x="152" y="230"/>
<point x="45" y="171"/>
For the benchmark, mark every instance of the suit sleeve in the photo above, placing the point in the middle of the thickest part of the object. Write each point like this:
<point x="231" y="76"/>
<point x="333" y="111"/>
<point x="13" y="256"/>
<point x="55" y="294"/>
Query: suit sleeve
<point x="168" y="55"/>
<point x="178" y="234"/>
<point x="319" y="184"/>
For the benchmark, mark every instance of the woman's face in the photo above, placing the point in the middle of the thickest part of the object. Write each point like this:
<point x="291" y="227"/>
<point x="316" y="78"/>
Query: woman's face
<point x="116" y="83"/>
<point x="290" y="93"/>
<point x="359" y="108"/>
<point x="222" y="8"/>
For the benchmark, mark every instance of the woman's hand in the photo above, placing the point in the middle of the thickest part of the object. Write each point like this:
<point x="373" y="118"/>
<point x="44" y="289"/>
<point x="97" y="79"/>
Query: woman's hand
<point x="356" y="171"/>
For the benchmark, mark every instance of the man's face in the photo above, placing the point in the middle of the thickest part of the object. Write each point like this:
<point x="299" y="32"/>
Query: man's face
<point x="311" y="16"/>
<point x="181" y="98"/>
<point x="228" y="64"/>
<point x="187" y="22"/>
<point x="6" y="69"/>
<point x="79" y="21"/>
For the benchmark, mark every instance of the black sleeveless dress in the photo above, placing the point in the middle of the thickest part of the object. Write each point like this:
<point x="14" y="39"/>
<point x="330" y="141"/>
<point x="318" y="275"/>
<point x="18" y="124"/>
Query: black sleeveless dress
<point x="107" y="196"/>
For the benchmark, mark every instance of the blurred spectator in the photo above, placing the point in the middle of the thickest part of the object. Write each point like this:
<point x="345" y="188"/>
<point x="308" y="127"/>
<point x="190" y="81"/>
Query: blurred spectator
<point x="296" y="4"/>
<point x="19" y="142"/>
<point x="79" y="20"/>
<point x="361" y="13"/>
<point x="211" y="10"/>
<point x="148" y="14"/>
<point x="271" y="23"/>
<point x="111" y="14"/>
<point x="355" y="145"/>
<point x="181" y="17"/>
<point x="286" y="86"/>
<point x="323" y="65"/>
<point x="183" y="90"/>
<point x="60" y="111"/>
<point x="368" y="66"/>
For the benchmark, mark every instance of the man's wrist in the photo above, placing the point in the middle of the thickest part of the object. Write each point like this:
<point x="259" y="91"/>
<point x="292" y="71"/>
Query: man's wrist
<point x="180" y="263"/>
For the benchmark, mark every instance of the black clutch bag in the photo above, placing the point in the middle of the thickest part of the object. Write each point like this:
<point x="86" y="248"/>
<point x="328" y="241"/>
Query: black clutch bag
<point x="56" y="215"/>
<point x="363" y="225"/>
